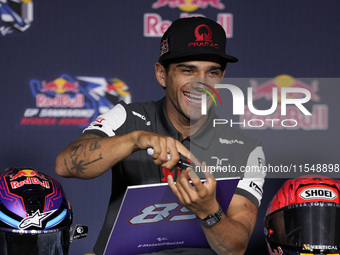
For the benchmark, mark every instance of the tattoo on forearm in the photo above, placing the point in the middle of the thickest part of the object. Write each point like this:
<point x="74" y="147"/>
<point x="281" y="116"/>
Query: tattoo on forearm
<point x="68" y="170"/>
<point x="80" y="166"/>
<point x="75" y="150"/>
<point x="78" y="156"/>
<point x="94" y="145"/>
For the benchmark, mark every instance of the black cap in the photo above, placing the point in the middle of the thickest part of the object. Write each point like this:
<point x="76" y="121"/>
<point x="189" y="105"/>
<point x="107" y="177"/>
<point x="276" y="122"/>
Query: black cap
<point x="194" y="36"/>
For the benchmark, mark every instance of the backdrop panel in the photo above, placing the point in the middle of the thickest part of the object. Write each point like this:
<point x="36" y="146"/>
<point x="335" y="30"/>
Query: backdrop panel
<point x="65" y="62"/>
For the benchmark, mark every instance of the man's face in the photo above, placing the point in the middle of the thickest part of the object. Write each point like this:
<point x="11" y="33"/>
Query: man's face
<point x="184" y="86"/>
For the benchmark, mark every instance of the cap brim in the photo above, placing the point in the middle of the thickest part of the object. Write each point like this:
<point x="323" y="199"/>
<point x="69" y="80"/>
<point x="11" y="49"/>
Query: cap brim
<point x="230" y="58"/>
<point x="207" y="57"/>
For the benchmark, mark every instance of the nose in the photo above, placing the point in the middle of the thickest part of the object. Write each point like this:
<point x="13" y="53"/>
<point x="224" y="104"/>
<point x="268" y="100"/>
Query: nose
<point x="201" y="75"/>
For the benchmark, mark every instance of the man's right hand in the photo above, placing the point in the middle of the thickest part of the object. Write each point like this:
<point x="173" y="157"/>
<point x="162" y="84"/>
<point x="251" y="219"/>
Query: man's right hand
<point x="90" y="155"/>
<point x="162" y="146"/>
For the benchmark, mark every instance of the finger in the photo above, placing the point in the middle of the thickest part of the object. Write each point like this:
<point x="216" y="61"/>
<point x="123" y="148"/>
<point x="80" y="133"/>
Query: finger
<point x="155" y="145"/>
<point x="208" y="173"/>
<point x="173" y="187"/>
<point x="188" y="188"/>
<point x="186" y="153"/>
<point x="196" y="181"/>
<point x="163" y="156"/>
<point x="160" y="150"/>
<point x="185" y="188"/>
<point x="210" y="179"/>
<point x="192" y="174"/>
<point x="173" y="152"/>
<point x="210" y="183"/>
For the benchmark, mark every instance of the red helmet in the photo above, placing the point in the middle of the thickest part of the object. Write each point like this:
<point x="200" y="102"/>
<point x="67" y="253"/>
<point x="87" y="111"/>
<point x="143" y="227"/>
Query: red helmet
<point x="304" y="217"/>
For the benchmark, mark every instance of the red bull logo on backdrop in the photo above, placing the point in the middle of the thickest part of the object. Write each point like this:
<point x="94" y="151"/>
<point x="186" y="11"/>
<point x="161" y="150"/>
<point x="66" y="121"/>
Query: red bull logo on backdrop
<point x="15" y="16"/>
<point x="155" y="25"/>
<point x="68" y="101"/>
<point x="188" y="5"/>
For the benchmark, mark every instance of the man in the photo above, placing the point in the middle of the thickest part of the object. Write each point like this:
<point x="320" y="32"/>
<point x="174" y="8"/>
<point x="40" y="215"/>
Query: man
<point x="190" y="48"/>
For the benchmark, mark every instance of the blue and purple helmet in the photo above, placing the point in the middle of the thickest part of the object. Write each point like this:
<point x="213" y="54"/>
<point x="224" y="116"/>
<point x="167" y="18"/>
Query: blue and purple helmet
<point x="35" y="215"/>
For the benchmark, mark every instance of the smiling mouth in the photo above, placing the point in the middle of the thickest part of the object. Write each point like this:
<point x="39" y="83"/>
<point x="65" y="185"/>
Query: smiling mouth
<point x="193" y="98"/>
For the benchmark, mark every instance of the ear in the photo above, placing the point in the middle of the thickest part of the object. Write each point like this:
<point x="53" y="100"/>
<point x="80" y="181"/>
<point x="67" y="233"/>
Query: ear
<point x="160" y="73"/>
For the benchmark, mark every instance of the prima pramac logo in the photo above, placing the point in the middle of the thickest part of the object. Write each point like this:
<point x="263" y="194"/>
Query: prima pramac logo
<point x="203" y="36"/>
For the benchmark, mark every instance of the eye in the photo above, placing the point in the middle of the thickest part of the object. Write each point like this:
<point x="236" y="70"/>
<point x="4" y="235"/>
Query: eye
<point x="215" y="73"/>
<point x="187" y="71"/>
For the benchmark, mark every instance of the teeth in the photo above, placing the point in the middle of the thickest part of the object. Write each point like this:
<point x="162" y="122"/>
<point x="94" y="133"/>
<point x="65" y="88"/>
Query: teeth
<point x="193" y="97"/>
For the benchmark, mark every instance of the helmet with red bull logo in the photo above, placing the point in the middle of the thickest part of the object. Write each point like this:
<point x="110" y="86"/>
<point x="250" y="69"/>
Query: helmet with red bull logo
<point x="35" y="215"/>
<point x="304" y="217"/>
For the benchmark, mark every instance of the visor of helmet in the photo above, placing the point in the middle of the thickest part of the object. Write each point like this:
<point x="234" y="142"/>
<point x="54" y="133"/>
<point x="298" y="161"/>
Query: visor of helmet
<point x="53" y="243"/>
<point x="306" y="227"/>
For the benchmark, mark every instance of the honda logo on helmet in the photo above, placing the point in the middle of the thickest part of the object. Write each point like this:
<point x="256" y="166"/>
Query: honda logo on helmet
<point x="318" y="193"/>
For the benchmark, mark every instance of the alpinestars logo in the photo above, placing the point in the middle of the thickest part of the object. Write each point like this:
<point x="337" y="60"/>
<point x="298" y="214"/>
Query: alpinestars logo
<point x="35" y="220"/>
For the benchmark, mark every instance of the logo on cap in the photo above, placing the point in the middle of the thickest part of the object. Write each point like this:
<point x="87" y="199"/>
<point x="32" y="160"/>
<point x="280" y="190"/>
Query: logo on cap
<point x="203" y="38"/>
<point x="164" y="47"/>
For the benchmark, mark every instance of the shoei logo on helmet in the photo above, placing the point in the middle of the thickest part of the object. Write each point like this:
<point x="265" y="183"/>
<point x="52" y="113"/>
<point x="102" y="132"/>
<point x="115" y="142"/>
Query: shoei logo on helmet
<point x="203" y="36"/>
<point x="318" y="193"/>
